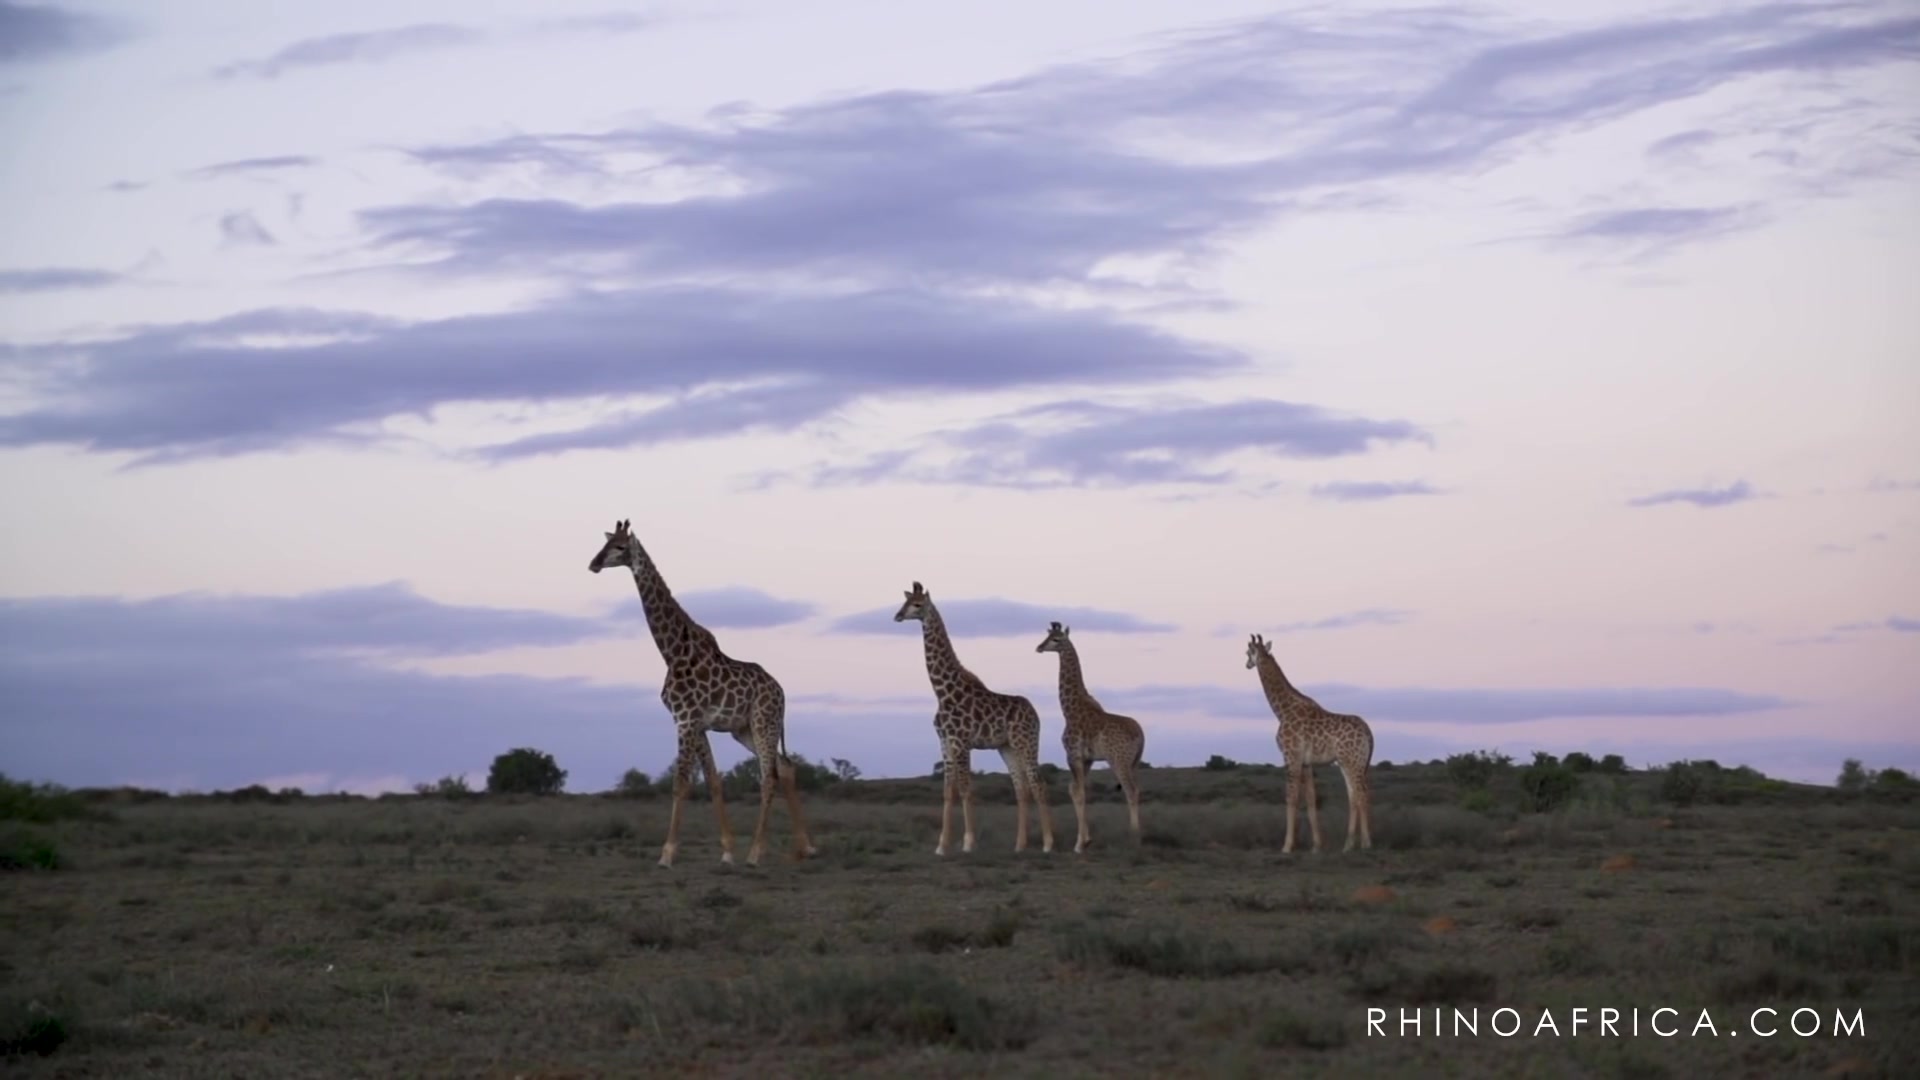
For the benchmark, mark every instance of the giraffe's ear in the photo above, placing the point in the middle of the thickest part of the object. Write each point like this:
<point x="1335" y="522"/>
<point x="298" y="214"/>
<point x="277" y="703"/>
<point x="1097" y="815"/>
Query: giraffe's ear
<point x="609" y="537"/>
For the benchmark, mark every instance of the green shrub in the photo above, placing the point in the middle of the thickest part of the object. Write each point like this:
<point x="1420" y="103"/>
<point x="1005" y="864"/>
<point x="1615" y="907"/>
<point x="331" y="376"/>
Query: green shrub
<point x="1612" y="765"/>
<point x="1476" y="770"/>
<point x="1548" y="784"/>
<point x="40" y="803"/>
<point x="1684" y="783"/>
<point x="1579" y="762"/>
<point x="526" y="771"/>
<point x="1853" y="777"/>
<point x="1219" y="763"/>
<point x="23" y="850"/>
<point x="634" y="784"/>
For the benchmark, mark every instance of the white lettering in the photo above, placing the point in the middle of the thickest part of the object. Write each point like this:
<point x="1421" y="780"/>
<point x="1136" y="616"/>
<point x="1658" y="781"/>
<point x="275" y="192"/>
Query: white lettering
<point x="1653" y="1023"/>
<point x="1795" y="1021"/>
<point x="1858" y="1027"/>
<point x="1705" y="1021"/>
<point x="1376" y="1017"/>
<point x="1753" y="1022"/>
<point x="1473" y="1021"/>
<point x="1608" y="1018"/>
<point x="1546" y="1021"/>
<point x="1579" y="1017"/>
<point x="1494" y="1022"/>
<point x="1403" y="1022"/>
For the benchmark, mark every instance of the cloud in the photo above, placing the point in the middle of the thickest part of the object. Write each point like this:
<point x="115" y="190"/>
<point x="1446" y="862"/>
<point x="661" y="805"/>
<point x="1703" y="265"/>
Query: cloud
<point x="1370" y="617"/>
<point x="243" y="228"/>
<point x="1087" y="444"/>
<point x="224" y="690"/>
<point x="1707" y="498"/>
<point x="255" y="165"/>
<point x="1897" y="623"/>
<point x="366" y="47"/>
<point x="30" y="32"/>
<point x="599" y="24"/>
<point x="1451" y="705"/>
<point x="283" y="377"/>
<point x="1647" y="232"/>
<point x="736" y="606"/>
<point x="994" y="617"/>
<point x="54" y="278"/>
<point x="1050" y="176"/>
<point x="772" y="267"/>
<point x="1883" y="486"/>
<point x="1372" y="490"/>
<point x="388" y="618"/>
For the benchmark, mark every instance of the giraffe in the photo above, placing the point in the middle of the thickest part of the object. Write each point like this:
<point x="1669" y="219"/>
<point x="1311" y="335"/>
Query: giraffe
<point x="1093" y="734"/>
<point x="1310" y="735"/>
<point x="970" y="717"/>
<point x="706" y="690"/>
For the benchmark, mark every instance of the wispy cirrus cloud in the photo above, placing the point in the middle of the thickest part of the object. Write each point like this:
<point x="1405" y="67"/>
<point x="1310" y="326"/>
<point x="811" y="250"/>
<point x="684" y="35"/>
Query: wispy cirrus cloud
<point x="1372" y="490"/>
<point x="376" y="46"/>
<point x="1706" y="498"/>
<point x="55" y="279"/>
<point x="247" y="166"/>
<point x="240" y="228"/>
<point x="371" y="46"/>
<point x="1644" y="232"/>
<point x="995" y="617"/>
<point x="1348" y="620"/>
<point x="31" y="32"/>
<point x="1086" y="444"/>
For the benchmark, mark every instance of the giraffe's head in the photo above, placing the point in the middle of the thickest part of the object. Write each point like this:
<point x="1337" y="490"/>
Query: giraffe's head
<point x="1056" y="637"/>
<point x="916" y="605"/>
<point x="1257" y="647"/>
<point x="617" y="551"/>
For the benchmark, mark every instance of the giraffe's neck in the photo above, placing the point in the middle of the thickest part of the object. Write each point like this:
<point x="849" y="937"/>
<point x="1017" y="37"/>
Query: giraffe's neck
<point x="666" y="619"/>
<point x="1274" y="681"/>
<point x="943" y="665"/>
<point x="1073" y="684"/>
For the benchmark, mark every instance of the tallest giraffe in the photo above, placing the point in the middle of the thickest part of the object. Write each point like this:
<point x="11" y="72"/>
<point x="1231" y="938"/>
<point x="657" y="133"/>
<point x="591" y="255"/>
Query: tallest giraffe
<point x="706" y="690"/>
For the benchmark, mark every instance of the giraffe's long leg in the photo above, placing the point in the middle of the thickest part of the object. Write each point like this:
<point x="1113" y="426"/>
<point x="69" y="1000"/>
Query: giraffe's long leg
<point x="790" y="783"/>
<point x="964" y="782"/>
<point x="715" y="785"/>
<point x="766" y="752"/>
<point x="1039" y="784"/>
<point x="1353" y="809"/>
<point x="1293" y="803"/>
<point x="1022" y="790"/>
<point x="692" y="742"/>
<point x="1130" y="784"/>
<point x="1363" y="799"/>
<point x="955" y="760"/>
<point x="1313" y="807"/>
<point x="1077" y="791"/>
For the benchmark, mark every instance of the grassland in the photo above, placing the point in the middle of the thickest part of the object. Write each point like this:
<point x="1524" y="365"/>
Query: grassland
<point x="326" y="936"/>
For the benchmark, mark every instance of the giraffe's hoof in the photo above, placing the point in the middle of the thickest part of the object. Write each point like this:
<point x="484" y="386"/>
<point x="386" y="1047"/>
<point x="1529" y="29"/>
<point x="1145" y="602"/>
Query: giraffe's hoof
<point x="941" y="852"/>
<point x="726" y="858"/>
<point x="753" y="858"/>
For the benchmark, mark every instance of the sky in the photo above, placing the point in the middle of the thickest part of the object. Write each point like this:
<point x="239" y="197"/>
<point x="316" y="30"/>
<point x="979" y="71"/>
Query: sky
<point x="1534" y="376"/>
